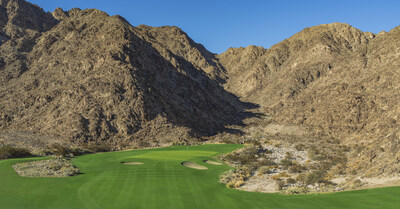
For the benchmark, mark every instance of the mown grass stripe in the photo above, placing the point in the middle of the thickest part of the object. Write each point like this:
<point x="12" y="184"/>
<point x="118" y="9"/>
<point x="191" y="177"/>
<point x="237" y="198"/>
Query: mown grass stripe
<point x="161" y="182"/>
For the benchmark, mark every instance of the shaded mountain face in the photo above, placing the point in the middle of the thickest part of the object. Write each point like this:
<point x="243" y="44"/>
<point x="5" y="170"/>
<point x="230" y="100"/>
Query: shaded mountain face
<point x="92" y="77"/>
<point x="340" y="81"/>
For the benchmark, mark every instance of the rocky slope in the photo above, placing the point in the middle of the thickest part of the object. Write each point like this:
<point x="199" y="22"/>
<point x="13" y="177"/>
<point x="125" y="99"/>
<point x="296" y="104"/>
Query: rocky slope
<point x="88" y="77"/>
<point x="92" y="77"/>
<point x="338" y="80"/>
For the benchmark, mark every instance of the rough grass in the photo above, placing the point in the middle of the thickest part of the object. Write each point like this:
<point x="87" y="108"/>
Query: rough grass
<point x="162" y="182"/>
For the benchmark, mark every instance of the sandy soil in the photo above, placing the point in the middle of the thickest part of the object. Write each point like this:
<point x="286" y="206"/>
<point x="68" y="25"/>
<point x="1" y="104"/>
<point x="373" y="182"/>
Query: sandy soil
<point x="275" y="128"/>
<point x="212" y="162"/>
<point x="132" y="163"/>
<point x="372" y="182"/>
<point x="193" y="165"/>
<point x="260" y="184"/>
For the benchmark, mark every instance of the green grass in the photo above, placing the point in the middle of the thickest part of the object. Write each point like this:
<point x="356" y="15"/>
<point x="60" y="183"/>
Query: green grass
<point x="162" y="183"/>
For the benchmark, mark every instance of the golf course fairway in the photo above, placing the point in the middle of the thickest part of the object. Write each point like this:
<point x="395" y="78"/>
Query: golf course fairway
<point x="161" y="182"/>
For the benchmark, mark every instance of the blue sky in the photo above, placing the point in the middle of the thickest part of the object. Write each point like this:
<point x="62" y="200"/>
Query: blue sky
<point x="220" y="24"/>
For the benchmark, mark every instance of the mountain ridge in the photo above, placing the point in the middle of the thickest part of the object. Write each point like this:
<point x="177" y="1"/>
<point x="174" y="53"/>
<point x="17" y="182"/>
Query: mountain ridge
<point x="128" y="83"/>
<point x="88" y="77"/>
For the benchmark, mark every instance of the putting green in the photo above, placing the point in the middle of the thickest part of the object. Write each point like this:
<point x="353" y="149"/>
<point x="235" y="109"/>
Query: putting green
<point x="162" y="182"/>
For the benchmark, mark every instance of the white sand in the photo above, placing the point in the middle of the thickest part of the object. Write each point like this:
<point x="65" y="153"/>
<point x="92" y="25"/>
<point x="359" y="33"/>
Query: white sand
<point x="193" y="165"/>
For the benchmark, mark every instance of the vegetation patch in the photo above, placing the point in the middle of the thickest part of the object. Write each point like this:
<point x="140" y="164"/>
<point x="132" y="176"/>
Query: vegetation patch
<point x="56" y="167"/>
<point x="7" y="151"/>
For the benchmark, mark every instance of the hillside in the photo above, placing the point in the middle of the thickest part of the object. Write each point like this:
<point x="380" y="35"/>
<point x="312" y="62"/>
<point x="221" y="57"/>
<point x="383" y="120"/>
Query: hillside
<point x="339" y="81"/>
<point x="82" y="76"/>
<point x="92" y="77"/>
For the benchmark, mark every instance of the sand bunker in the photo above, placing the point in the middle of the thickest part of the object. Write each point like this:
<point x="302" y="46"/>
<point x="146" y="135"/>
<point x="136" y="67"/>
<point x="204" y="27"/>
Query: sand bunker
<point x="193" y="165"/>
<point x="212" y="162"/>
<point x="132" y="163"/>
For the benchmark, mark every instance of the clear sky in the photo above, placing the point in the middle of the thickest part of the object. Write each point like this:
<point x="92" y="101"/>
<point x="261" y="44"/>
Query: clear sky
<point x="220" y="24"/>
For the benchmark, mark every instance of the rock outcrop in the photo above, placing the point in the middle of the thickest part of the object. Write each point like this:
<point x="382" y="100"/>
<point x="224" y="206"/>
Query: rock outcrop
<point x="338" y="80"/>
<point x="92" y="77"/>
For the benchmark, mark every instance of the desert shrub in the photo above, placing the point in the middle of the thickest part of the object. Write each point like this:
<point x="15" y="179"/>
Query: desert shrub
<point x="251" y="168"/>
<point x="297" y="190"/>
<point x="338" y="169"/>
<point x="296" y="168"/>
<point x="276" y="177"/>
<point x="247" y="155"/>
<point x="286" y="163"/>
<point x="7" y="151"/>
<point x="180" y="143"/>
<point x="251" y="150"/>
<point x="56" y="167"/>
<point x="230" y="184"/>
<point x="264" y="170"/>
<point x="290" y="181"/>
<point x="354" y="183"/>
<point x="279" y="176"/>
<point x="239" y="184"/>
<point x="299" y="147"/>
<point x="265" y="161"/>
<point x="325" y="165"/>
<point x="255" y="142"/>
<point x="60" y="150"/>
<point x="315" y="177"/>
<point x="231" y="140"/>
<point x="226" y="177"/>
<point x="279" y="184"/>
<point x="288" y="155"/>
<point x="314" y="154"/>
<point x="318" y="157"/>
<point x="232" y="177"/>
<point x="97" y="147"/>
<point x="283" y="174"/>
<point x="301" y="178"/>
<point x="231" y="157"/>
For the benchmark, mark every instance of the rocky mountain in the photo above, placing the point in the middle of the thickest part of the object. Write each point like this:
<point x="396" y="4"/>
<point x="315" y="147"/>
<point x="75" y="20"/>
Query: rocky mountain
<point x="84" y="76"/>
<point x="340" y="81"/>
